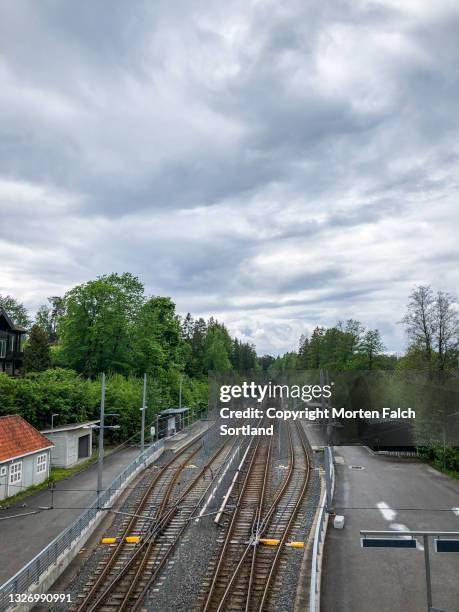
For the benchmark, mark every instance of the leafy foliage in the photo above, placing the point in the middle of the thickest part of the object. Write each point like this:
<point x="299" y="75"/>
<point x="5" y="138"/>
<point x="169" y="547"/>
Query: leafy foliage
<point x="15" y="310"/>
<point x="97" y="324"/>
<point x="37" y="355"/>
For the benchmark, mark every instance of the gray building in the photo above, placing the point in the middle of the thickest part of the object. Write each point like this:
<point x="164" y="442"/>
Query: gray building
<point x="24" y="456"/>
<point x="72" y="443"/>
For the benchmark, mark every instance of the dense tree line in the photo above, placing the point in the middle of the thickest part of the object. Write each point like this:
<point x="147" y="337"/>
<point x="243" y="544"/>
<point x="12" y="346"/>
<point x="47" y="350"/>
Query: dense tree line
<point x="110" y="325"/>
<point x="431" y="323"/>
<point x="345" y="346"/>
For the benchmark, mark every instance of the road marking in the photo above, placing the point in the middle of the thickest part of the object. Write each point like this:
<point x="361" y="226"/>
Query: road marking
<point x="456" y="511"/>
<point x="402" y="527"/>
<point x="386" y="511"/>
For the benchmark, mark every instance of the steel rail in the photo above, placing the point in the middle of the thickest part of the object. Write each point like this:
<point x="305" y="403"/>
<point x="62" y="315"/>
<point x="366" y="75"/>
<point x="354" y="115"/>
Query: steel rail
<point x="165" y="557"/>
<point x="143" y="552"/>
<point x="260" y="529"/>
<point x="260" y="526"/>
<point x="255" y="527"/>
<point x="231" y="527"/>
<point x="83" y="606"/>
<point x="290" y="521"/>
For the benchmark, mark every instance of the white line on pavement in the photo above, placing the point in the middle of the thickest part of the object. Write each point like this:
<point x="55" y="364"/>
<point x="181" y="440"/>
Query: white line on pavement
<point x="402" y="527"/>
<point x="386" y="511"/>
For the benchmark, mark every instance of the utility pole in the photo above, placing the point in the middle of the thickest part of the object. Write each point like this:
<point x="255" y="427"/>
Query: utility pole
<point x="100" y="464"/>
<point x="143" y="409"/>
<point x="180" y="393"/>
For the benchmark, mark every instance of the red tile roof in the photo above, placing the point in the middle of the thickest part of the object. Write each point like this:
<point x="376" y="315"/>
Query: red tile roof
<point x="18" y="438"/>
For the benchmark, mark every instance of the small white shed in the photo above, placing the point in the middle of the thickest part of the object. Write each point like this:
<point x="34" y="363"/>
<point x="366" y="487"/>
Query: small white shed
<point x="72" y="443"/>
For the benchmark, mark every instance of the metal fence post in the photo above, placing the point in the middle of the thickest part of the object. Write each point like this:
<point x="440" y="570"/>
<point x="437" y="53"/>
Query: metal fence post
<point x="428" y="582"/>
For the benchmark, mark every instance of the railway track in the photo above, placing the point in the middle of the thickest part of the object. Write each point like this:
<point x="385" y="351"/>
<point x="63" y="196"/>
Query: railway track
<point x="119" y="578"/>
<point x="243" y="576"/>
<point x="160" y="494"/>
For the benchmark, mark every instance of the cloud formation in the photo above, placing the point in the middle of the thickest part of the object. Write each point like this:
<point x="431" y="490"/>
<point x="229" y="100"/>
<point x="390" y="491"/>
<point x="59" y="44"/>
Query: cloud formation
<point x="277" y="166"/>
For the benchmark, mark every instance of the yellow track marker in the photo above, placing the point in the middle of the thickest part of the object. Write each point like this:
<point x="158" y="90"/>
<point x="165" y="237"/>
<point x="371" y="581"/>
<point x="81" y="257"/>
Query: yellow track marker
<point x="295" y="544"/>
<point x="132" y="539"/>
<point x="269" y="542"/>
<point x="108" y="541"/>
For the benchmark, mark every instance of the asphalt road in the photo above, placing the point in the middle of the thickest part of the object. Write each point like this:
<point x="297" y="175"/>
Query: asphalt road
<point x="388" y="494"/>
<point x="21" y="538"/>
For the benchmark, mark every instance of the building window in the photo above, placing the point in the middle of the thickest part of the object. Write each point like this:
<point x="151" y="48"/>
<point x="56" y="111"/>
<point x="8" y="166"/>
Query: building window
<point x="2" y="349"/>
<point x="15" y="472"/>
<point x="12" y="342"/>
<point x="3" y="470"/>
<point x="42" y="461"/>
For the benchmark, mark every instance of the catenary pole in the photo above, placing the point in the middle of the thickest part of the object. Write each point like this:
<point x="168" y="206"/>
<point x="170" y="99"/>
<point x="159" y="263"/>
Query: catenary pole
<point x="143" y="409"/>
<point x="100" y="464"/>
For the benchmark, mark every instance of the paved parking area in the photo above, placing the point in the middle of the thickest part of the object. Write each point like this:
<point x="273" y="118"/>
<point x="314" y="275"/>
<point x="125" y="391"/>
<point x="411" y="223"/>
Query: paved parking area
<point x="388" y="494"/>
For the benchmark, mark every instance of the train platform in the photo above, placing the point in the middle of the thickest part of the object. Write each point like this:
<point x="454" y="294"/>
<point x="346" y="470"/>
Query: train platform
<point x="180" y="439"/>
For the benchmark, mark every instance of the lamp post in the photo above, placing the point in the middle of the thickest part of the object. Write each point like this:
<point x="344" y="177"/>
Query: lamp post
<point x="101" y="427"/>
<point x="100" y="463"/>
<point x="143" y="410"/>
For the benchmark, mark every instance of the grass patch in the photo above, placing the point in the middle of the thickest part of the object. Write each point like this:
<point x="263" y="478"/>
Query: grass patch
<point x="9" y="501"/>
<point x="438" y="465"/>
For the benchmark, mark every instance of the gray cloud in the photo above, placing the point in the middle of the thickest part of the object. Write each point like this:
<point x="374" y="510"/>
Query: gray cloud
<point x="280" y="166"/>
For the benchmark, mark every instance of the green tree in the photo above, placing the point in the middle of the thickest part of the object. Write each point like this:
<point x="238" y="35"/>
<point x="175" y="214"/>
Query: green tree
<point x="156" y="337"/>
<point x="432" y="326"/>
<point x="37" y="354"/>
<point x="47" y="316"/>
<point x="217" y="347"/>
<point x="194" y="332"/>
<point x="315" y="350"/>
<point x="15" y="310"/>
<point x="419" y="321"/>
<point x="96" y="326"/>
<point x="265" y="361"/>
<point x="303" y="352"/>
<point x="446" y="331"/>
<point x="371" y="348"/>
<point x="243" y="356"/>
<point x="43" y="320"/>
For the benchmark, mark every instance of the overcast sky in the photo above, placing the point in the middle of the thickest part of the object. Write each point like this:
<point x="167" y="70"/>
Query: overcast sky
<point x="276" y="165"/>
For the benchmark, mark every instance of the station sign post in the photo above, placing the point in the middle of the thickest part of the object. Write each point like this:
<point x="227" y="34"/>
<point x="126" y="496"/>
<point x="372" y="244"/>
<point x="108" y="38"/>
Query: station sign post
<point x="445" y="542"/>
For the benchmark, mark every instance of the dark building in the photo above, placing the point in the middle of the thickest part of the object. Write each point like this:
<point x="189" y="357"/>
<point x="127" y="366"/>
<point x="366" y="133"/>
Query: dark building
<point x="11" y="341"/>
